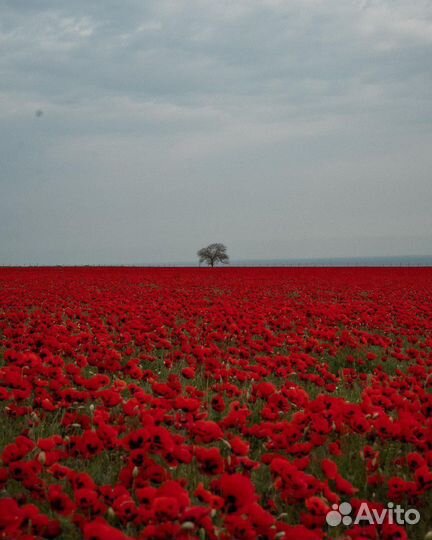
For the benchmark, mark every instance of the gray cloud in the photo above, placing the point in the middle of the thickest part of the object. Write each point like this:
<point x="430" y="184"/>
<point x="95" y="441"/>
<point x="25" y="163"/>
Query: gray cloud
<point x="284" y="129"/>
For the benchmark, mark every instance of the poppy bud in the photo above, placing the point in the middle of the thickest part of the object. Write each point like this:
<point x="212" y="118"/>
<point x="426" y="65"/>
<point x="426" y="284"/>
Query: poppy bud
<point x="188" y="526"/>
<point x="227" y="443"/>
<point x="135" y="472"/>
<point x="42" y="458"/>
<point x="110" y="513"/>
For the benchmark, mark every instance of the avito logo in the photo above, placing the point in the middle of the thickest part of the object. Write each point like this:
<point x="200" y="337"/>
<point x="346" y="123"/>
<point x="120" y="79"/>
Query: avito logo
<point x="341" y="514"/>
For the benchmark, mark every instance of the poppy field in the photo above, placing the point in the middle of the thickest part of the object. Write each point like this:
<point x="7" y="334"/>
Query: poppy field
<point x="225" y="403"/>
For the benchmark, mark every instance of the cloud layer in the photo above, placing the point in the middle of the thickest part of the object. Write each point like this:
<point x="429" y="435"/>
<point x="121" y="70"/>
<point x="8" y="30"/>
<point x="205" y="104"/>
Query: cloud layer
<point x="136" y="132"/>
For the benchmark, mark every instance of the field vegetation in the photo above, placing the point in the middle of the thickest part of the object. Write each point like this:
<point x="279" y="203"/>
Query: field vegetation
<point x="224" y="403"/>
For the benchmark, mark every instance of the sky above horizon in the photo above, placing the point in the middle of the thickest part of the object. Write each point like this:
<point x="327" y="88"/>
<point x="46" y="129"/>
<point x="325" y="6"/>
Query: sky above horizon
<point x="140" y="131"/>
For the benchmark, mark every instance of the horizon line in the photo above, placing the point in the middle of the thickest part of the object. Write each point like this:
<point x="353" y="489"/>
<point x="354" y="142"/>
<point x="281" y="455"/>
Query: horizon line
<point x="360" y="261"/>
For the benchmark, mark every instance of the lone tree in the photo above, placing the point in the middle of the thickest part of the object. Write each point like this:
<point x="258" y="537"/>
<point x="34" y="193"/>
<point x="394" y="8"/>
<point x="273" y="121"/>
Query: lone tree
<point x="213" y="254"/>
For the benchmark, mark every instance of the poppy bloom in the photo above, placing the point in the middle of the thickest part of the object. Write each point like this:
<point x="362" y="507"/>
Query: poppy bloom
<point x="60" y="501"/>
<point x="101" y="530"/>
<point x="237" y="491"/>
<point x="210" y="460"/>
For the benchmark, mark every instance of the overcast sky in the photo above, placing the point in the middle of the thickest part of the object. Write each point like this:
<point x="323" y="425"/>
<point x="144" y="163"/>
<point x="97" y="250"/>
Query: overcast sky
<point x="138" y="131"/>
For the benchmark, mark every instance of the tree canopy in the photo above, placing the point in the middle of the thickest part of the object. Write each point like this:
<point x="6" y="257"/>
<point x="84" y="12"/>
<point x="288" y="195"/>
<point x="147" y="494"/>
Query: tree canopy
<point x="213" y="254"/>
